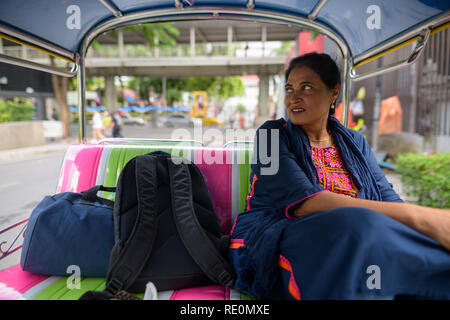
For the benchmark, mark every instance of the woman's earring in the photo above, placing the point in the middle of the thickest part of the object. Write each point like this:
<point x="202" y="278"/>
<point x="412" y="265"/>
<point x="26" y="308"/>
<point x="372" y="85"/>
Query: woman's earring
<point x="332" y="105"/>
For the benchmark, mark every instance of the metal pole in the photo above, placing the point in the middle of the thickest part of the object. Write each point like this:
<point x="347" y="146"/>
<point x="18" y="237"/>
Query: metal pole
<point x="121" y="44"/>
<point x="263" y="38"/>
<point x="81" y="88"/>
<point x="36" y="66"/>
<point x="192" y="40"/>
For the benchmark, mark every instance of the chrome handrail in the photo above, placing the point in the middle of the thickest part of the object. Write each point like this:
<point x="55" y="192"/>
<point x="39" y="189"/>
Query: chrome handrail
<point x="32" y="41"/>
<point x="398" y="40"/>
<point x="110" y="141"/>
<point x="208" y="13"/>
<point x="40" y="67"/>
<point x="315" y="12"/>
<point x="415" y="54"/>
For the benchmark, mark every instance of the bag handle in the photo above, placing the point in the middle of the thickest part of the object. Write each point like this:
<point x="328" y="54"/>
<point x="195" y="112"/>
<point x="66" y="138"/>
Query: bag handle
<point x="194" y="238"/>
<point x="128" y="265"/>
<point x="90" y="195"/>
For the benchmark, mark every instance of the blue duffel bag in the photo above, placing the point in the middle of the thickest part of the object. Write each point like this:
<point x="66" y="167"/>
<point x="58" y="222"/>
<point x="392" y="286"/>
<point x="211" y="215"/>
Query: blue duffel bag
<point x="70" y="230"/>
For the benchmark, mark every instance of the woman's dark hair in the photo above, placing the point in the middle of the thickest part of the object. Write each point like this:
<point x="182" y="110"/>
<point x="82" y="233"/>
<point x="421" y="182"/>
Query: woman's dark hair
<point x="320" y="63"/>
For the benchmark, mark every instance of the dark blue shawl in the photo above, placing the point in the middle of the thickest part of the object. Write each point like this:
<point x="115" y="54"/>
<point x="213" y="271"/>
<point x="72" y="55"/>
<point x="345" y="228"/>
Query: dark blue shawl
<point x="263" y="225"/>
<point x="296" y="177"/>
<point x="351" y="148"/>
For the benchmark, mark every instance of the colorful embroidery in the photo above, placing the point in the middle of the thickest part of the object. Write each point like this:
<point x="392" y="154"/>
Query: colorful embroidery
<point x="331" y="171"/>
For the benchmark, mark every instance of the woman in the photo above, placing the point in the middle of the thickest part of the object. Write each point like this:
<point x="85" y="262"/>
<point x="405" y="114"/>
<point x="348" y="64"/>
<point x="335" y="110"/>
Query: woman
<point x="97" y="127"/>
<point x="328" y="225"/>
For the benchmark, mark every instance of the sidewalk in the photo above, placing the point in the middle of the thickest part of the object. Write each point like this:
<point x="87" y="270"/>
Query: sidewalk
<point x="19" y="154"/>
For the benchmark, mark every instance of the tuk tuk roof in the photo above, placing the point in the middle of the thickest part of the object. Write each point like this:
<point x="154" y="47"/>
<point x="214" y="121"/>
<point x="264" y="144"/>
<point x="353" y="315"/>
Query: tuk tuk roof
<point x="62" y="26"/>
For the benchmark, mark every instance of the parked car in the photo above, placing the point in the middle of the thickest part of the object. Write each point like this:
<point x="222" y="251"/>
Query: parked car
<point x="129" y="119"/>
<point x="181" y="120"/>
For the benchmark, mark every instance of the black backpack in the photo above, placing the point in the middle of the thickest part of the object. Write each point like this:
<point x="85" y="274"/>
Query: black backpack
<point x="165" y="229"/>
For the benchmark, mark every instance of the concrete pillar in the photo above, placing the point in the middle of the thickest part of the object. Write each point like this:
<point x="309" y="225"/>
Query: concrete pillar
<point x="156" y="41"/>
<point x="110" y="94"/>
<point x="192" y="39"/>
<point x="263" y="38"/>
<point x="263" y="100"/>
<point x="230" y="40"/>
<point x="120" y="44"/>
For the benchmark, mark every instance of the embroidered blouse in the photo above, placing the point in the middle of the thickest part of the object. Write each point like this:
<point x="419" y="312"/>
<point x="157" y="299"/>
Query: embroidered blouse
<point x="331" y="171"/>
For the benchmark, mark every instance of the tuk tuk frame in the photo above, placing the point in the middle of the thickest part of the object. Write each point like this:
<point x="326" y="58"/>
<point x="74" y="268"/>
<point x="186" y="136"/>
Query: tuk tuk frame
<point x="419" y="34"/>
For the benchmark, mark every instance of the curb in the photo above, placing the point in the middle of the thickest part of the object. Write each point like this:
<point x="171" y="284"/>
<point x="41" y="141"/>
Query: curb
<point x="7" y="156"/>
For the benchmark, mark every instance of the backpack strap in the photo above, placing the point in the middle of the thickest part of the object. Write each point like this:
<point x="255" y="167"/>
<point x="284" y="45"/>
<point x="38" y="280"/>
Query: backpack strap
<point x="127" y="266"/>
<point x="194" y="238"/>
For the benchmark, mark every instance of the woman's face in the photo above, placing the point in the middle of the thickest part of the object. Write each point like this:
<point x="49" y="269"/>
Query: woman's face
<point x="307" y="97"/>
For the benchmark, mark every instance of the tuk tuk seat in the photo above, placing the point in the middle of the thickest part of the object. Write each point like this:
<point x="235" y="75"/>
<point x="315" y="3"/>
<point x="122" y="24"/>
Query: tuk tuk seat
<point x="226" y="170"/>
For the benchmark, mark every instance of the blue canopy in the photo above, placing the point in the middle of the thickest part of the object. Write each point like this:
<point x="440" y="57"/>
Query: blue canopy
<point x="362" y="24"/>
<point x="88" y="108"/>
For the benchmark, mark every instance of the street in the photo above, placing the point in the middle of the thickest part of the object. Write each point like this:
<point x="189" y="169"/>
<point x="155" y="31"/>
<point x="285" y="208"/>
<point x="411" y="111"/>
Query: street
<point x="23" y="184"/>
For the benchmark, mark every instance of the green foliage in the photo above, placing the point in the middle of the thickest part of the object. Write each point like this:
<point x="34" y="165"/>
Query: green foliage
<point x="16" y="110"/>
<point x="161" y="31"/>
<point x="151" y="31"/>
<point x="219" y="87"/>
<point x="286" y="46"/>
<point x="426" y="177"/>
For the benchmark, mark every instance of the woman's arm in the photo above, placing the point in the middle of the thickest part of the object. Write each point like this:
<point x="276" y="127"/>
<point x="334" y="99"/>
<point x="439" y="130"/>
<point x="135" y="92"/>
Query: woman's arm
<point x="432" y="222"/>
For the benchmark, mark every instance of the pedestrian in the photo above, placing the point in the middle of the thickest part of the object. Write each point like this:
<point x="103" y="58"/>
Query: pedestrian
<point x="54" y="116"/>
<point x="117" y="125"/>
<point x="97" y="127"/>
<point x="107" y="124"/>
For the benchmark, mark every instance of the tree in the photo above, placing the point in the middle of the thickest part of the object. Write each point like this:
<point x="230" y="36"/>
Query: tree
<point x="60" y="85"/>
<point x="155" y="34"/>
<point x="219" y="88"/>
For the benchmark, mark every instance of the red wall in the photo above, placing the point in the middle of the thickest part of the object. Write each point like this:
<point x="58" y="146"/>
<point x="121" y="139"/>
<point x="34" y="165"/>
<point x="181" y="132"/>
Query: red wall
<point x="306" y="45"/>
